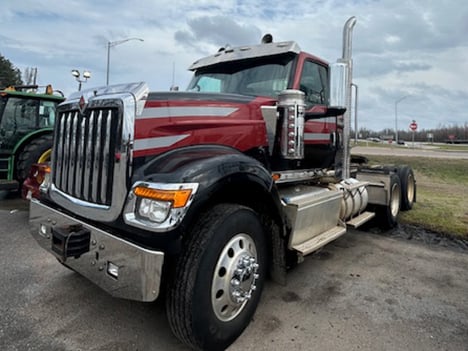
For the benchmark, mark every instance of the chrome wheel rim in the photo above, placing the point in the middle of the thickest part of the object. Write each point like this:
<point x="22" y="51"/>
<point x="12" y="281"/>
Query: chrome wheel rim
<point x="395" y="200"/>
<point x="410" y="189"/>
<point x="235" y="277"/>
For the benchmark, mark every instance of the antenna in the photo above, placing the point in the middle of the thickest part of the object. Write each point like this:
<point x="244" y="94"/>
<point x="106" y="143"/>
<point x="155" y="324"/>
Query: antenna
<point x="173" y="73"/>
<point x="173" y="86"/>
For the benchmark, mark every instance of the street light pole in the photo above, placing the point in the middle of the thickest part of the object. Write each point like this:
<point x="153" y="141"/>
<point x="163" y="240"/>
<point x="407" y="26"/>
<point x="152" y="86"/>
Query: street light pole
<point x="396" y="116"/>
<point x="111" y="44"/>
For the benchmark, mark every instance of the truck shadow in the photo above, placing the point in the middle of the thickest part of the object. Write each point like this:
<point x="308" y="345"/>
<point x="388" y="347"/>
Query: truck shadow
<point x="77" y="312"/>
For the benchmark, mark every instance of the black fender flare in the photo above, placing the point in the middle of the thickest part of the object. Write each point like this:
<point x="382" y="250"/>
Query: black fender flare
<point x="204" y="164"/>
<point x="211" y="166"/>
<point x="216" y="168"/>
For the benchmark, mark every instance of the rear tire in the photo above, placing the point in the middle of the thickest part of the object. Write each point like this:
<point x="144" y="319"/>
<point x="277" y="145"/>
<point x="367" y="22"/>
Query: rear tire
<point x="408" y="187"/>
<point x="38" y="150"/>
<point x="387" y="215"/>
<point x="218" y="278"/>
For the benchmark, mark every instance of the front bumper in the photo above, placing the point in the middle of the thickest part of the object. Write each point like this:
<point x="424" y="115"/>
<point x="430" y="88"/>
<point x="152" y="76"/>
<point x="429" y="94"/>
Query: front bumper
<point x="99" y="254"/>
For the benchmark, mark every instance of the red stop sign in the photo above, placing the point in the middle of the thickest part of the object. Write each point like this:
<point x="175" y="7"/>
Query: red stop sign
<point x="413" y="126"/>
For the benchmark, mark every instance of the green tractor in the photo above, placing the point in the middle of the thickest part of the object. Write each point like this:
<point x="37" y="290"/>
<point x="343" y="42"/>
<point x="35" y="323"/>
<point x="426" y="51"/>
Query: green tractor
<point x="26" y="131"/>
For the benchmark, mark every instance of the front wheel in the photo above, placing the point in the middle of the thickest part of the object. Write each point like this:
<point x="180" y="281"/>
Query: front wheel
<point x="218" y="279"/>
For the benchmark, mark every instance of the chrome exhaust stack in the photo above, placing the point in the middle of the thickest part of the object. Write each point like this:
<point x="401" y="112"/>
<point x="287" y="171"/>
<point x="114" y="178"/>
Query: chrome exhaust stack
<point x="341" y="95"/>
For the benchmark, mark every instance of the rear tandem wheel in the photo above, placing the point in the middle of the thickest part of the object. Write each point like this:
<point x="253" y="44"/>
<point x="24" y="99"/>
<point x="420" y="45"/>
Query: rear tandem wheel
<point x="387" y="215"/>
<point x="408" y="187"/>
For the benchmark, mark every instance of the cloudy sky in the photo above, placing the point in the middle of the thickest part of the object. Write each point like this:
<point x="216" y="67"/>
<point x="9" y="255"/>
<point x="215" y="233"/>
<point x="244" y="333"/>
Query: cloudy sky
<point x="417" y="49"/>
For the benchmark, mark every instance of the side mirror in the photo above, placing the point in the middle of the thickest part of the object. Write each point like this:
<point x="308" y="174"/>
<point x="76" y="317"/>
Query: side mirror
<point x="338" y="83"/>
<point x="329" y="111"/>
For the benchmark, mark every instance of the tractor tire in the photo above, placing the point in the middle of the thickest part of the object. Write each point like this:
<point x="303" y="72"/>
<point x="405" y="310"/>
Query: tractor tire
<point x="387" y="215"/>
<point x="408" y="187"/>
<point x="218" y="278"/>
<point x="37" y="151"/>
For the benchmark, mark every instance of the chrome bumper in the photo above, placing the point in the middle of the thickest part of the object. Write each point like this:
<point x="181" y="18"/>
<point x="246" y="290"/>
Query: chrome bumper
<point x="121" y="268"/>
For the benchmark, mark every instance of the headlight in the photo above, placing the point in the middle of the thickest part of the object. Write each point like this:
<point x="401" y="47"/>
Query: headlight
<point x="156" y="211"/>
<point x="158" y="206"/>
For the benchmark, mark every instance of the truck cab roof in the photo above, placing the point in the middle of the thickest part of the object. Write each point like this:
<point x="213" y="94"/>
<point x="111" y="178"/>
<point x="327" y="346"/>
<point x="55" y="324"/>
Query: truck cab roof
<point x="228" y="54"/>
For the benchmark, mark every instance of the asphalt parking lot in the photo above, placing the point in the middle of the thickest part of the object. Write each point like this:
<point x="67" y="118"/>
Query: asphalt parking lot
<point x="362" y="292"/>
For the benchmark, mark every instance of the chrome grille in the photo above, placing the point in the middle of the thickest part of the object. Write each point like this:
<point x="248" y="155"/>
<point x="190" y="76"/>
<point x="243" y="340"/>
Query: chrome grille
<point x="84" y="153"/>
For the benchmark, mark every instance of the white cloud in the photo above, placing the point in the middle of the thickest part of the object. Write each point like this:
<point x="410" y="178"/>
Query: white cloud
<point x="415" y="47"/>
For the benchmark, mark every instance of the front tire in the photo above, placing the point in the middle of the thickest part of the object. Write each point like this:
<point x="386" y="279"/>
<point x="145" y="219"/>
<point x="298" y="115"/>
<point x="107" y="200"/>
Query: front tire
<point x="218" y="279"/>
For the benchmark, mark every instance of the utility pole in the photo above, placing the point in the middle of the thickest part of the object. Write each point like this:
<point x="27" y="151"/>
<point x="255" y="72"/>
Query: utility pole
<point x="111" y="44"/>
<point x="396" y="116"/>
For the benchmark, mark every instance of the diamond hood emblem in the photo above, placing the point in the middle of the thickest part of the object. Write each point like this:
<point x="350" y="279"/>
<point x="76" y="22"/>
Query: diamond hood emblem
<point x="82" y="104"/>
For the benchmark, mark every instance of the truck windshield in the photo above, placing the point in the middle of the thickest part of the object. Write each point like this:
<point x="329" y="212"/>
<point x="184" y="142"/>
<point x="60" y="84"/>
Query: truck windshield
<point x="252" y="77"/>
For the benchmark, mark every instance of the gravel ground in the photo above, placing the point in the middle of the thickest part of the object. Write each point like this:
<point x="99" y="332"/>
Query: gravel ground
<point x="365" y="291"/>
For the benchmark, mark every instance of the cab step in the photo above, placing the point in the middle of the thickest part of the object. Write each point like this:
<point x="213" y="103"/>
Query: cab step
<point x="361" y="219"/>
<point x="320" y="240"/>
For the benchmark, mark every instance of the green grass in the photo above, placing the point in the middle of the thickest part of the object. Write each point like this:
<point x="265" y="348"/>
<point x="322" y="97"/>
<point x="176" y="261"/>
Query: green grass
<point x="437" y="146"/>
<point x="442" y="194"/>
<point x="451" y="147"/>
<point x="372" y="143"/>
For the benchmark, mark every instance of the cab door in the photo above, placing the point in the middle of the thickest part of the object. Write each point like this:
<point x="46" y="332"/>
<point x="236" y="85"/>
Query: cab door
<point x="319" y="134"/>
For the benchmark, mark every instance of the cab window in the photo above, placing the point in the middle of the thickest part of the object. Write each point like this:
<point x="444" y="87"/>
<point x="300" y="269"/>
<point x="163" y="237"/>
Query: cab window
<point x="20" y="114"/>
<point x="208" y="83"/>
<point x="314" y="83"/>
<point x="46" y="113"/>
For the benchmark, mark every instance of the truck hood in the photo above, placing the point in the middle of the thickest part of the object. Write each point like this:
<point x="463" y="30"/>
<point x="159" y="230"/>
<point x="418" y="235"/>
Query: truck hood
<point x="176" y="119"/>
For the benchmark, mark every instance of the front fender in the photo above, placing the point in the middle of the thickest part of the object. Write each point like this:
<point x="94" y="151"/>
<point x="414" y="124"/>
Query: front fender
<point x="223" y="174"/>
<point x="205" y="165"/>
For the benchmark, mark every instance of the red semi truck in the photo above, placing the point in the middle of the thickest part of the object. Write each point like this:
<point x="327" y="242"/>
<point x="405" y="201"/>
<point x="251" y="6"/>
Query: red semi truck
<point x="205" y="193"/>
